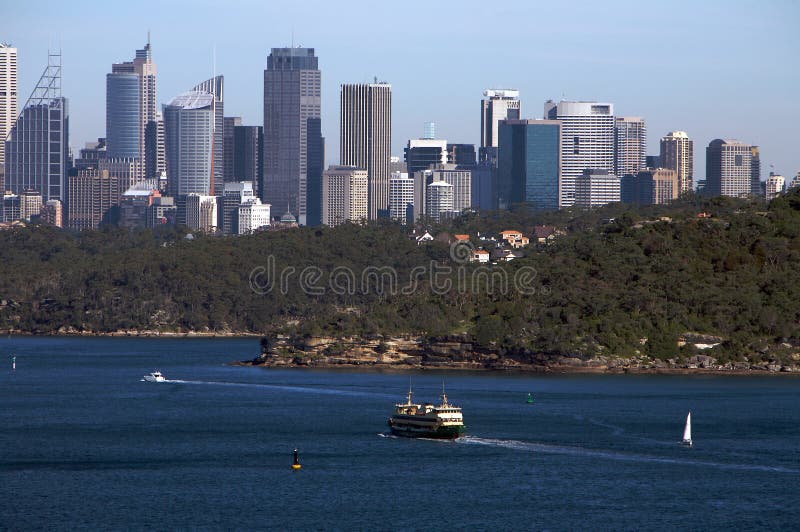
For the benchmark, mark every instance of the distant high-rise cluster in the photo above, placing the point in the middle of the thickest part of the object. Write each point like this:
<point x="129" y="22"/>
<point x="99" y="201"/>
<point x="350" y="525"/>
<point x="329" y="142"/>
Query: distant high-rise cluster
<point x="185" y="162"/>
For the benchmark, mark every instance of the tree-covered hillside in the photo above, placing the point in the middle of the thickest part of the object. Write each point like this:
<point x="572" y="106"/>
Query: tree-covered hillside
<point x="618" y="281"/>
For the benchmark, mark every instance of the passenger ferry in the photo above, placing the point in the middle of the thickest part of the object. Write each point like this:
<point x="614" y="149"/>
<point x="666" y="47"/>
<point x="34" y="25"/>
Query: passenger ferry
<point x="414" y="420"/>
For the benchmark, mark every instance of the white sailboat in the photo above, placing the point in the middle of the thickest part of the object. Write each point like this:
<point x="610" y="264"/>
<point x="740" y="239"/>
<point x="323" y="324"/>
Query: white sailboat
<point x="687" y="431"/>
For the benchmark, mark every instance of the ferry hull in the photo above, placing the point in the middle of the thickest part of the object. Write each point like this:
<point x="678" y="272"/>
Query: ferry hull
<point x="439" y="433"/>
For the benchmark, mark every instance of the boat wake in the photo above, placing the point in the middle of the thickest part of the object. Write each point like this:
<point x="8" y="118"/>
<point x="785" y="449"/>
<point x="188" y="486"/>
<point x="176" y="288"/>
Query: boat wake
<point x="535" y="447"/>
<point x="285" y="388"/>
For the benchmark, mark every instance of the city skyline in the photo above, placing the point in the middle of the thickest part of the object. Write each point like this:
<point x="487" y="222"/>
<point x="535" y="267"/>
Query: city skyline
<point x="579" y="71"/>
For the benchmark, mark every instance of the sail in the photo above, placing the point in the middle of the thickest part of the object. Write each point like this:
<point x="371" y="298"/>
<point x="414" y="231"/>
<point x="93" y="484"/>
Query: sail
<point x="687" y="431"/>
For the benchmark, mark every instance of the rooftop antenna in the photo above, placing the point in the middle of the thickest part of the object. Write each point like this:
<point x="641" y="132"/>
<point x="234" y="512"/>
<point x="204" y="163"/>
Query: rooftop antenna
<point x="148" y="37"/>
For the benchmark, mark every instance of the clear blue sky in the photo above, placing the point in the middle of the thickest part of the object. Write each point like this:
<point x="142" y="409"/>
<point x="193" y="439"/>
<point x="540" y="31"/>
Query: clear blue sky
<point x="728" y="69"/>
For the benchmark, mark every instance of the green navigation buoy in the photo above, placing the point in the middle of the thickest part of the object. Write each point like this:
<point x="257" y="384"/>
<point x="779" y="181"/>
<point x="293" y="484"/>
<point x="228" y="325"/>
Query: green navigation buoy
<point x="530" y="399"/>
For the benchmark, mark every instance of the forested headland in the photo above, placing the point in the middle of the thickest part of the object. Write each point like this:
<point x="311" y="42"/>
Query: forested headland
<point x="618" y="281"/>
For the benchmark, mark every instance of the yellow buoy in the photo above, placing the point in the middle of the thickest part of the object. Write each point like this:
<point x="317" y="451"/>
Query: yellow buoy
<point x="296" y="462"/>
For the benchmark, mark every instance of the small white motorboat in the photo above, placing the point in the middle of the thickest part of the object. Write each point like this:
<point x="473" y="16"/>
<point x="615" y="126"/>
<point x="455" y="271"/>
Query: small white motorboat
<point x="156" y="376"/>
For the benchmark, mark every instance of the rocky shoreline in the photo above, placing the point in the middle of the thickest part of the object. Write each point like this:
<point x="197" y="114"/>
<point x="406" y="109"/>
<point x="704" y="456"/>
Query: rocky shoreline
<point x="69" y="331"/>
<point x="455" y="353"/>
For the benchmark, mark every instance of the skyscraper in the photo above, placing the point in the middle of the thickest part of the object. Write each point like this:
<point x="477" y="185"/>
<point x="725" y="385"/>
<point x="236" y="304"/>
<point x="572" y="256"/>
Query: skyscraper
<point x="37" y="147"/>
<point x="189" y="141"/>
<point x="499" y="104"/>
<point x="439" y="201"/>
<point x="529" y="163"/>
<point x="229" y="145"/>
<point x="677" y="153"/>
<point x="155" y="152"/>
<point x="652" y="186"/>
<point x="596" y="187"/>
<point x="421" y="154"/>
<point x="587" y="140"/>
<point x="401" y="196"/>
<point x="234" y="195"/>
<point x="292" y="95"/>
<point x="8" y="96"/>
<point x="315" y="165"/>
<point x="344" y="195"/>
<point x="630" y="145"/>
<point x="366" y="137"/>
<point x="216" y="87"/>
<point x="246" y="153"/>
<point x="91" y="196"/>
<point x="121" y="90"/>
<point x="729" y="168"/>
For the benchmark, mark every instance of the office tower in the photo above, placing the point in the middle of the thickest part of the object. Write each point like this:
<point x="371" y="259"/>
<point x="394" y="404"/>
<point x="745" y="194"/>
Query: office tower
<point x="652" y="161"/>
<point x="401" y="197"/>
<point x="252" y="215"/>
<point x="461" y="154"/>
<point x="234" y="194"/>
<point x="90" y="155"/>
<point x="482" y="188"/>
<point x="439" y="201"/>
<point x="421" y="154"/>
<point x="216" y="87"/>
<point x="130" y="104"/>
<point x="229" y="147"/>
<point x="596" y="187"/>
<point x="201" y="212"/>
<point x="155" y="152"/>
<point x="315" y="165"/>
<point x="10" y="208"/>
<point x="498" y="104"/>
<point x="30" y="204"/>
<point x="729" y="168"/>
<point x="756" y="186"/>
<point x="458" y="177"/>
<point x="135" y="202"/>
<point x="8" y="96"/>
<point x="247" y="151"/>
<point x="345" y="193"/>
<point x="189" y="141"/>
<point x="366" y="137"/>
<point x="630" y="145"/>
<point x="653" y="186"/>
<point x="53" y="213"/>
<point x="677" y="153"/>
<point x="775" y="186"/>
<point x="128" y="170"/>
<point x="529" y="164"/>
<point x="162" y="211"/>
<point x="292" y="95"/>
<point x="587" y="140"/>
<point x="37" y="147"/>
<point x="90" y="197"/>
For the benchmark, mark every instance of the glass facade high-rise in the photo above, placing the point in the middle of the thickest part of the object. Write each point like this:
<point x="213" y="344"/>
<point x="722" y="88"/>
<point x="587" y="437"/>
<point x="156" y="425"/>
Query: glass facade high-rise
<point x="189" y="141"/>
<point x="366" y="137"/>
<point x="216" y="87"/>
<point x="37" y="147"/>
<point x="499" y="104"/>
<point x="229" y="145"/>
<point x="119" y="105"/>
<point x="292" y="95"/>
<point x="122" y="115"/>
<point x="529" y="163"/>
<point x="315" y="165"/>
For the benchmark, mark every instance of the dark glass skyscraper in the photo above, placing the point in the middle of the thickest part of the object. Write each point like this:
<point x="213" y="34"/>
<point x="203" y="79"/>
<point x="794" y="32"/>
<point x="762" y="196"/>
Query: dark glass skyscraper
<point x="315" y="165"/>
<point x="246" y="153"/>
<point x="37" y="146"/>
<point x="529" y="163"/>
<point x="292" y="95"/>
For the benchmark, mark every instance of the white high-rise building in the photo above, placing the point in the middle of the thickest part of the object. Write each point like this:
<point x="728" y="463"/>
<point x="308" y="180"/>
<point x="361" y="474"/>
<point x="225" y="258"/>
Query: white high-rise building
<point x="439" y="201"/>
<point x="499" y="104"/>
<point x="252" y="216"/>
<point x="344" y="195"/>
<point x="233" y="196"/>
<point x="774" y="186"/>
<point x="8" y="95"/>
<point x="587" y="140"/>
<point x="201" y="212"/>
<point x="401" y="195"/>
<point x="595" y="188"/>
<point x="795" y="181"/>
<point x="630" y="145"/>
